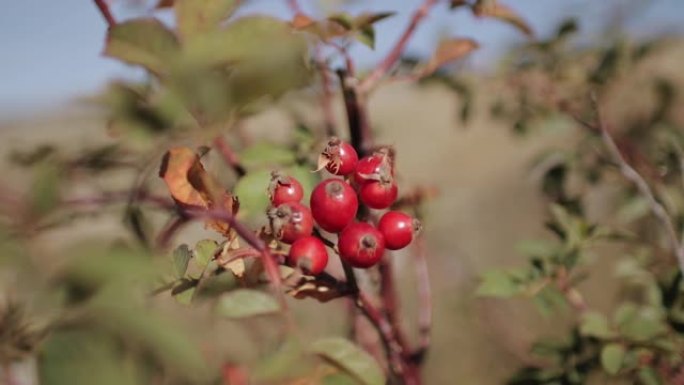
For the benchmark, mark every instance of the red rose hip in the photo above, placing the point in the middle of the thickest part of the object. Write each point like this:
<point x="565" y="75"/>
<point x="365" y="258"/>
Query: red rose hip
<point x="310" y="254"/>
<point x="283" y="189"/>
<point x="378" y="195"/>
<point x="361" y="245"/>
<point x="339" y="157"/>
<point x="398" y="229"/>
<point x="333" y="205"/>
<point x="376" y="167"/>
<point x="290" y="221"/>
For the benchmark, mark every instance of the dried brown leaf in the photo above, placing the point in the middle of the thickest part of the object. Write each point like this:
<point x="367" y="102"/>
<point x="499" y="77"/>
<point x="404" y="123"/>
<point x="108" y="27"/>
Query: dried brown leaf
<point x="193" y="188"/>
<point x="448" y="51"/>
<point x="503" y="13"/>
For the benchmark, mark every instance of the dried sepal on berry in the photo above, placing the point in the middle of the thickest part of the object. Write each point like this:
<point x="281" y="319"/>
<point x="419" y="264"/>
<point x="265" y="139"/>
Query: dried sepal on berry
<point x="283" y="188"/>
<point x="338" y="158"/>
<point x="377" y="167"/>
<point x="290" y="221"/>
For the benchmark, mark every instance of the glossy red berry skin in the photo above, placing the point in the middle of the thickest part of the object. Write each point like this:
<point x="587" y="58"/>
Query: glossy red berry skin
<point x="361" y="245"/>
<point x="378" y="195"/>
<point x="398" y="229"/>
<point x="367" y="167"/>
<point x="310" y="254"/>
<point x="334" y="205"/>
<point x="341" y="157"/>
<point x="290" y="221"/>
<point x="284" y="189"/>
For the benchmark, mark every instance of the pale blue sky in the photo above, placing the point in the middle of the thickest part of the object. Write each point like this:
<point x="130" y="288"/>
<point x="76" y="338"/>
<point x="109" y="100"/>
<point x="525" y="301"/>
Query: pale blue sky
<point x="51" y="48"/>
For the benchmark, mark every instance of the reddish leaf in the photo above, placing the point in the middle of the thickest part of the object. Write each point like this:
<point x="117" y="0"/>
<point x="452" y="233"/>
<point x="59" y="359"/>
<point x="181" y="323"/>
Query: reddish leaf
<point x="503" y="13"/>
<point x="302" y="21"/>
<point x="448" y="51"/>
<point x="192" y="187"/>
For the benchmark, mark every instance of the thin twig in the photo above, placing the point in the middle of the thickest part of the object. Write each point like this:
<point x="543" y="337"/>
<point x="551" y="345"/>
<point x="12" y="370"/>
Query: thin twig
<point x="424" y="301"/>
<point x="388" y="293"/>
<point x="114" y="197"/>
<point x="170" y="229"/>
<point x="326" y="241"/>
<point x="229" y="156"/>
<point x="644" y="189"/>
<point x="392" y="346"/>
<point x="106" y="13"/>
<point x="393" y="56"/>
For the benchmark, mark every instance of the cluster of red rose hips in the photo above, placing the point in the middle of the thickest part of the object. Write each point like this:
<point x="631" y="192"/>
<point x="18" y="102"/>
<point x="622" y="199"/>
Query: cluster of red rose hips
<point x="333" y="206"/>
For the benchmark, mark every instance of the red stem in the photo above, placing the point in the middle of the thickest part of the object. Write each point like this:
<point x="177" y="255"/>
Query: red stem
<point x="117" y="196"/>
<point x="170" y="229"/>
<point x="424" y="301"/>
<point x="251" y="238"/>
<point x="229" y="156"/>
<point x="106" y="13"/>
<point x="393" y="56"/>
<point x="388" y="293"/>
<point x="392" y="347"/>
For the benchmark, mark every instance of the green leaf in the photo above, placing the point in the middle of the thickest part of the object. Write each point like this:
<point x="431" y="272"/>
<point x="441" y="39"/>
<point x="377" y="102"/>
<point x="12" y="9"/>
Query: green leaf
<point x="595" y="324"/>
<point x="351" y="359"/>
<point x="643" y="326"/>
<point x="76" y="357"/>
<point x="343" y="19"/>
<point x="366" y="35"/>
<point x="649" y="376"/>
<point x="265" y="154"/>
<point x="287" y="361"/>
<point x="204" y="252"/>
<point x="497" y="283"/>
<point x="339" y="379"/>
<point x="245" y="303"/>
<point x="181" y="258"/>
<point x="45" y="188"/>
<point x="612" y="356"/>
<point x="367" y="18"/>
<point x="198" y="16"/>
<point x="144" y="42"/>
<point x="118" y="314"/>
<point x="252" y="190"/>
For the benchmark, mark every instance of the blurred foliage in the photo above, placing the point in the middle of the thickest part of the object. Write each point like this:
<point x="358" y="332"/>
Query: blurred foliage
<point x="554" y="83"/>
<point x="100" y="312"/>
